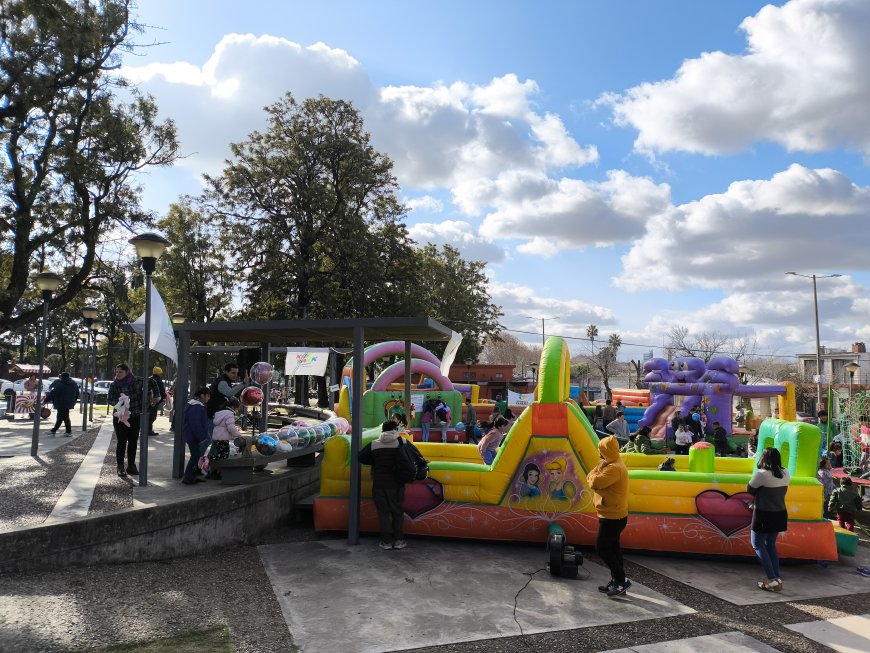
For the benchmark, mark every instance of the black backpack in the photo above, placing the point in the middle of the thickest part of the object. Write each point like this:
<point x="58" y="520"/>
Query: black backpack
<point x="410" y="464"/>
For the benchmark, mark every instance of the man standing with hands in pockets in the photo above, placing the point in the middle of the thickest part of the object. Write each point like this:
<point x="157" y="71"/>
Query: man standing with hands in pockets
<point x="609" y="482"/>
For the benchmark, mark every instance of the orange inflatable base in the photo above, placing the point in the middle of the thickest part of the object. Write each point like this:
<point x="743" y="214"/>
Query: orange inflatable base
<point x="661" y="533"/>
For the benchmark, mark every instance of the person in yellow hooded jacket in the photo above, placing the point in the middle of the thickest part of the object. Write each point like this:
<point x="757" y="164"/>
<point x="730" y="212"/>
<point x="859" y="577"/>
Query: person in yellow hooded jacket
<point x="609" y="483"/>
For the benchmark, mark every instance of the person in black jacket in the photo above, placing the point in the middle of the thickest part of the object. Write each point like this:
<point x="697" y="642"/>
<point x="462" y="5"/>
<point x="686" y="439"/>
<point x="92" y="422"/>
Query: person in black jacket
<point x="388" y="492"/>
<point x="720" y="440"/>
<point x="156" y="381"/>
<point x="63" y="393"/>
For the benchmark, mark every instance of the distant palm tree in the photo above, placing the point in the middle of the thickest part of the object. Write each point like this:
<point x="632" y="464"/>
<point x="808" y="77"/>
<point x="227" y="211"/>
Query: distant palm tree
<point x="592" y="333"/>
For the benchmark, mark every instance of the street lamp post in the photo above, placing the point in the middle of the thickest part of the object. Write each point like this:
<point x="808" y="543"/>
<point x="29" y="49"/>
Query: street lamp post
<point x="818" y="342"/>
<point x="149" y="247"/>
<point x="95" y="330"/>
<point x="89" y="314"/>
<point x="177" y="318"/>
<point x="83" y="336"/>
<point x="48" y="283"/>
<point x="851" y="368"/>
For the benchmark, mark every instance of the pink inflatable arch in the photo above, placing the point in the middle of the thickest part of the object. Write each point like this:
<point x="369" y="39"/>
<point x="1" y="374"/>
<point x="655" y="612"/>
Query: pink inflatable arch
<point x="389" y="348"/>
<point x="397" y="370"/>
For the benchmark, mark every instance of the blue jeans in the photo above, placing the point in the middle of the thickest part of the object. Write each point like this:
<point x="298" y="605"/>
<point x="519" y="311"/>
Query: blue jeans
<point x="489" y="456"/>
<point x="765" y="548"/>
<point x="425" y="426"/>
<point x="190" y="470"/>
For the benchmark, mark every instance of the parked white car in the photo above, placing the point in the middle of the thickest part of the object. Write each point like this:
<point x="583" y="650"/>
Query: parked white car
<point x="18" y="386"/>
<point x="101" y="391"/>
<point x="5" y="387"/>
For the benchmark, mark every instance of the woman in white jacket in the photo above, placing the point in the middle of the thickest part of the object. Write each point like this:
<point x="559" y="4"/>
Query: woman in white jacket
<point x="769" y="484"/>
<point x="225" y="428"/>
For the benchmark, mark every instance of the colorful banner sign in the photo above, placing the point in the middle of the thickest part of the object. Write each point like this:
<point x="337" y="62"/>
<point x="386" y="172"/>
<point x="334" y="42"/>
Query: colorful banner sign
<point x="304" y="361"/>
<point x="517" y="399"/>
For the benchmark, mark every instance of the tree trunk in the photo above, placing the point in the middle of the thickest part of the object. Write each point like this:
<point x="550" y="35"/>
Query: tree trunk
<point x="322" y="394"/>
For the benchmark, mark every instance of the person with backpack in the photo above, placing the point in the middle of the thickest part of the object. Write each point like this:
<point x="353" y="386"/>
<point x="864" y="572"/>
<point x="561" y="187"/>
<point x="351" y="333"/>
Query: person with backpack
<point x="158" y="401"/>
<point x="388" y="457"/>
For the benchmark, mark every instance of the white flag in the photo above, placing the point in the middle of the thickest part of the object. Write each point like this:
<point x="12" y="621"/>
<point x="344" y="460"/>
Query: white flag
<point x="162" y="337"/>
<point x="450" y="352"/>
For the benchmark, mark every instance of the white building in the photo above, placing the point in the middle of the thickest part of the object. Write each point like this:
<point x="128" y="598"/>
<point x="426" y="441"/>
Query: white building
<point x="833" y="363"/>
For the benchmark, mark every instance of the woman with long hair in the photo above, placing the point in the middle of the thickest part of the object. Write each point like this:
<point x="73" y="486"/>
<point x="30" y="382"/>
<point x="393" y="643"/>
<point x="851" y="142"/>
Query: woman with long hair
<point x="489" y="443"/>
<point x="768" y="485"/>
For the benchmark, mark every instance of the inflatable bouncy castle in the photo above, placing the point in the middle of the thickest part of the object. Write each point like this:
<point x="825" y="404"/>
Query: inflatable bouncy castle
<point x="538" y="477"/>
<point x="383" y="396"/>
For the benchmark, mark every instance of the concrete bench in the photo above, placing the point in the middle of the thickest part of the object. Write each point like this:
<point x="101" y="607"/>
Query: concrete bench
<point x="239" y="470"/>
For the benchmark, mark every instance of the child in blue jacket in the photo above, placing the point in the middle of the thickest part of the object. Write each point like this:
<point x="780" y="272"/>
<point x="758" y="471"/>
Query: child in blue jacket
<point x="195" y="433"/>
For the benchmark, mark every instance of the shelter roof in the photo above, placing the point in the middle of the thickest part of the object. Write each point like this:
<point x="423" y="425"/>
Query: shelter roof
<point x="26" y="368"/>
<point x="421" y="329"/>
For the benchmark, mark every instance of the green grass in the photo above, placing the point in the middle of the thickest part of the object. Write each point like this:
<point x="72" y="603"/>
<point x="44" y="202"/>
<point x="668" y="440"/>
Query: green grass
<point x="214" y="640"/>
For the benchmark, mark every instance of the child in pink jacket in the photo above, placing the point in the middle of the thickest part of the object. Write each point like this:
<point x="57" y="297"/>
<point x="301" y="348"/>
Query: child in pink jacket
<point x="225" y="428"/>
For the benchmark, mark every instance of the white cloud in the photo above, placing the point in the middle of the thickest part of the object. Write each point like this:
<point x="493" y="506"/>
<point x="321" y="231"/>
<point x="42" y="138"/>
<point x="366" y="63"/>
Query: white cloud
<point x="486" y="143"/>
<point x="565" y="213"/>
<point x="222" y="101"/>
<point x="445" y="135"/>
<point x="424" y="203"/>
<point x="524" y="307"/>
<point x="747" y="237"/>
<point x="802" y="83"/>
<point x="461" y="236"/>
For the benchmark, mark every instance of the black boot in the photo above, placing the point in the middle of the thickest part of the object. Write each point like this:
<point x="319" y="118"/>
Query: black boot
<point x="121" y="472"/>
<point x="132" y="470"/>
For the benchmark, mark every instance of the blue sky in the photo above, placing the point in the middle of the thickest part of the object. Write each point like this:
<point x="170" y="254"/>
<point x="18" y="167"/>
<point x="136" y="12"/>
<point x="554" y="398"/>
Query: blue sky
<point x="631" y="164"/>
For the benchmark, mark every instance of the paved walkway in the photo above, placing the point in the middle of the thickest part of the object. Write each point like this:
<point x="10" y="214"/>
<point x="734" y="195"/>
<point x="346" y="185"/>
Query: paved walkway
<point x="318" y="593"/>
<point x="75" y="502"/>
<point x="16" y="436"/>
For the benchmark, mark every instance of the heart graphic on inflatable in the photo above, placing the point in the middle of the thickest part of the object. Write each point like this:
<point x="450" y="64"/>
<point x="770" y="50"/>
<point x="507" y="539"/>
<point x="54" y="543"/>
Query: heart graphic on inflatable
<point x="728" y="513"/>
<point x="422" y="496"/>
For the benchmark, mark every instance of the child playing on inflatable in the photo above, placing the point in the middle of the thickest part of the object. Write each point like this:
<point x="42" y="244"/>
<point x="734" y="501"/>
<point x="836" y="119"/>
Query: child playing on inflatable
<point x="489" y="443"/>
<point x="846" y="503"/>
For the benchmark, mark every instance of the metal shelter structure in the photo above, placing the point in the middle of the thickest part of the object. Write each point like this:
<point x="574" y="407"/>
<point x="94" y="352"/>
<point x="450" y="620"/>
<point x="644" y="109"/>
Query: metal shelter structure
<point x="293" y="332"/>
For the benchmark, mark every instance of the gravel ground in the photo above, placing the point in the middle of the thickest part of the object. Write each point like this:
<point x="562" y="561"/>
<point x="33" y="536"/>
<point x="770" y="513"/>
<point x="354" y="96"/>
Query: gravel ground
<point x="31" y="487"/>
<point x="101" y="605"/>
<point x="112" y="492"/>
<point x="120" y="604"/>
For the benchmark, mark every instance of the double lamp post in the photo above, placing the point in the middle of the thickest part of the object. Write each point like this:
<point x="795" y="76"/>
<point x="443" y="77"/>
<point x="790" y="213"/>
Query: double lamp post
<point x="149" y="247"/>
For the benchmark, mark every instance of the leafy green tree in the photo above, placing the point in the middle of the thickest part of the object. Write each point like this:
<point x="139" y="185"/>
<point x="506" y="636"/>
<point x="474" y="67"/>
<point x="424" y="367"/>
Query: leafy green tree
<point x="312" y="211"/>
<point x="70" y="146"/>
<point x="192" y="277"/>
<point x="299" y="197"/>
<point x="455" y="292"/>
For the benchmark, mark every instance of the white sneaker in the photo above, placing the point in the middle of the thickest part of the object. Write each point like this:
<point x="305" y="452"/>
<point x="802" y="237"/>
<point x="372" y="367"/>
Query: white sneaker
<point x="399" y="544"/>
